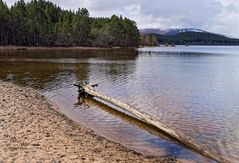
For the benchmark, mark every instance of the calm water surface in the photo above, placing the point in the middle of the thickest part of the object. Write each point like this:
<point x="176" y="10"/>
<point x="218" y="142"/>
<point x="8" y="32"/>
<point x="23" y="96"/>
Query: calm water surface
<point x="193" y="89"/>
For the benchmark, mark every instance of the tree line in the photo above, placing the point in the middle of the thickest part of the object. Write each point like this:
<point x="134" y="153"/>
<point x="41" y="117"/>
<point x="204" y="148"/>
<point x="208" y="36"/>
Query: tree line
<point x="42" y="23"/>
<point x="197" y="38"/>
<point x="148" y="40"/>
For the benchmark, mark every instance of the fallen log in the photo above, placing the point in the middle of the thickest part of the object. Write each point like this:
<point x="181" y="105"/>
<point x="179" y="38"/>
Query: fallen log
<point x="92" y="102"/>
<point x="86" y="89"/>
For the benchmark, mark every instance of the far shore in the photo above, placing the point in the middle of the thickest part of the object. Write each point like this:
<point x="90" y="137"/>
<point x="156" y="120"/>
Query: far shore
<point x="33" y="130"/>
<point x="59" y="48"/>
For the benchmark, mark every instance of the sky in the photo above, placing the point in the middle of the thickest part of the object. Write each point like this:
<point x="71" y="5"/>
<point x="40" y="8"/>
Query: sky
<point x="218" y="16"/>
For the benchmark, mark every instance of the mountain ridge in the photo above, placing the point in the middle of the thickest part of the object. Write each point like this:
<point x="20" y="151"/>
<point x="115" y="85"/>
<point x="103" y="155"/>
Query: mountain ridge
<point x="172" y="31"/>
<point x="187" y="36"/>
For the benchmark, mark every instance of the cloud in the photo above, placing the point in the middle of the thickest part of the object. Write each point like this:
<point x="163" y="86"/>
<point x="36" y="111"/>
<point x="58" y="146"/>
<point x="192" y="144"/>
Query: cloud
<point x="227" y="21"/>
<point x="183" y="13"/>
<point x="220" y="16"/>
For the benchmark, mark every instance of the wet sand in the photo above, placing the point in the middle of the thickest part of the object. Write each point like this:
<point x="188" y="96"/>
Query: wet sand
<point x="33" y="130"/>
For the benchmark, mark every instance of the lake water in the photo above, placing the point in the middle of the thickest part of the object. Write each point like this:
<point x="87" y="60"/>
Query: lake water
<point x="194" y="89"/>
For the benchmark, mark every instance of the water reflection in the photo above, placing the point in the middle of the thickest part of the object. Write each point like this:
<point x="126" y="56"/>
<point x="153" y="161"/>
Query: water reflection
<point x="197" y="94"/>
<point x="104" y="54"/>
<point x="30" y="67"/>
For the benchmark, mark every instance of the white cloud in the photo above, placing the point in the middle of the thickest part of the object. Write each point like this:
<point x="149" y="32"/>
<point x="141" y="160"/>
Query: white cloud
<point x="220" y="16"/>
<point x="227" y="21"/>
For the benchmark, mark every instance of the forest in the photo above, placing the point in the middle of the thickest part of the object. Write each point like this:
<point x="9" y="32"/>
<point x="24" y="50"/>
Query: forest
<point x="42" y="23"/>
<point x="187" y="38"/>
<point x="197" y="38"/>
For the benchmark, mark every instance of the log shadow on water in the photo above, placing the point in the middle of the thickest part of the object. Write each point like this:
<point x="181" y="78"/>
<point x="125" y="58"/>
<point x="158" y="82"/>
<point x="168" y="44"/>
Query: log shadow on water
<point x="90" y="101"/>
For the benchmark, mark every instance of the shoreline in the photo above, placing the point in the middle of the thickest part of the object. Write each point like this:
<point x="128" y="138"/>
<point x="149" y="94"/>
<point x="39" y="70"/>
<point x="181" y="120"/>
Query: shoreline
<point x="33" y="130"/>
<point x="10" y="47"/>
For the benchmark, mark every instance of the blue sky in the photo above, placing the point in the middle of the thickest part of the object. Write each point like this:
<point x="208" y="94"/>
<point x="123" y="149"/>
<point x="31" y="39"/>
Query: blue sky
<point x="219" y="16"/>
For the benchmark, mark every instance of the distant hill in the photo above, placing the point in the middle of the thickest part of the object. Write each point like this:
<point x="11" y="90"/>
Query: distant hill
<point x="188" y="36"/>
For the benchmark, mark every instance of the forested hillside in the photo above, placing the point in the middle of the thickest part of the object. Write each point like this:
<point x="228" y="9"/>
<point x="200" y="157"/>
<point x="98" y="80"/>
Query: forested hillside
<point x="42" y="23"/>
<point x="197" y="38"/>
<point x="187" y="38"/>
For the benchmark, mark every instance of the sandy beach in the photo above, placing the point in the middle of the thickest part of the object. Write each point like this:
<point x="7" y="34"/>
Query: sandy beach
<point x="32" y="130"/>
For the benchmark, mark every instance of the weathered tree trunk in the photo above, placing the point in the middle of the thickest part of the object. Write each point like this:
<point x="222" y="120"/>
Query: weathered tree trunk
<point x="179" y="136"/>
